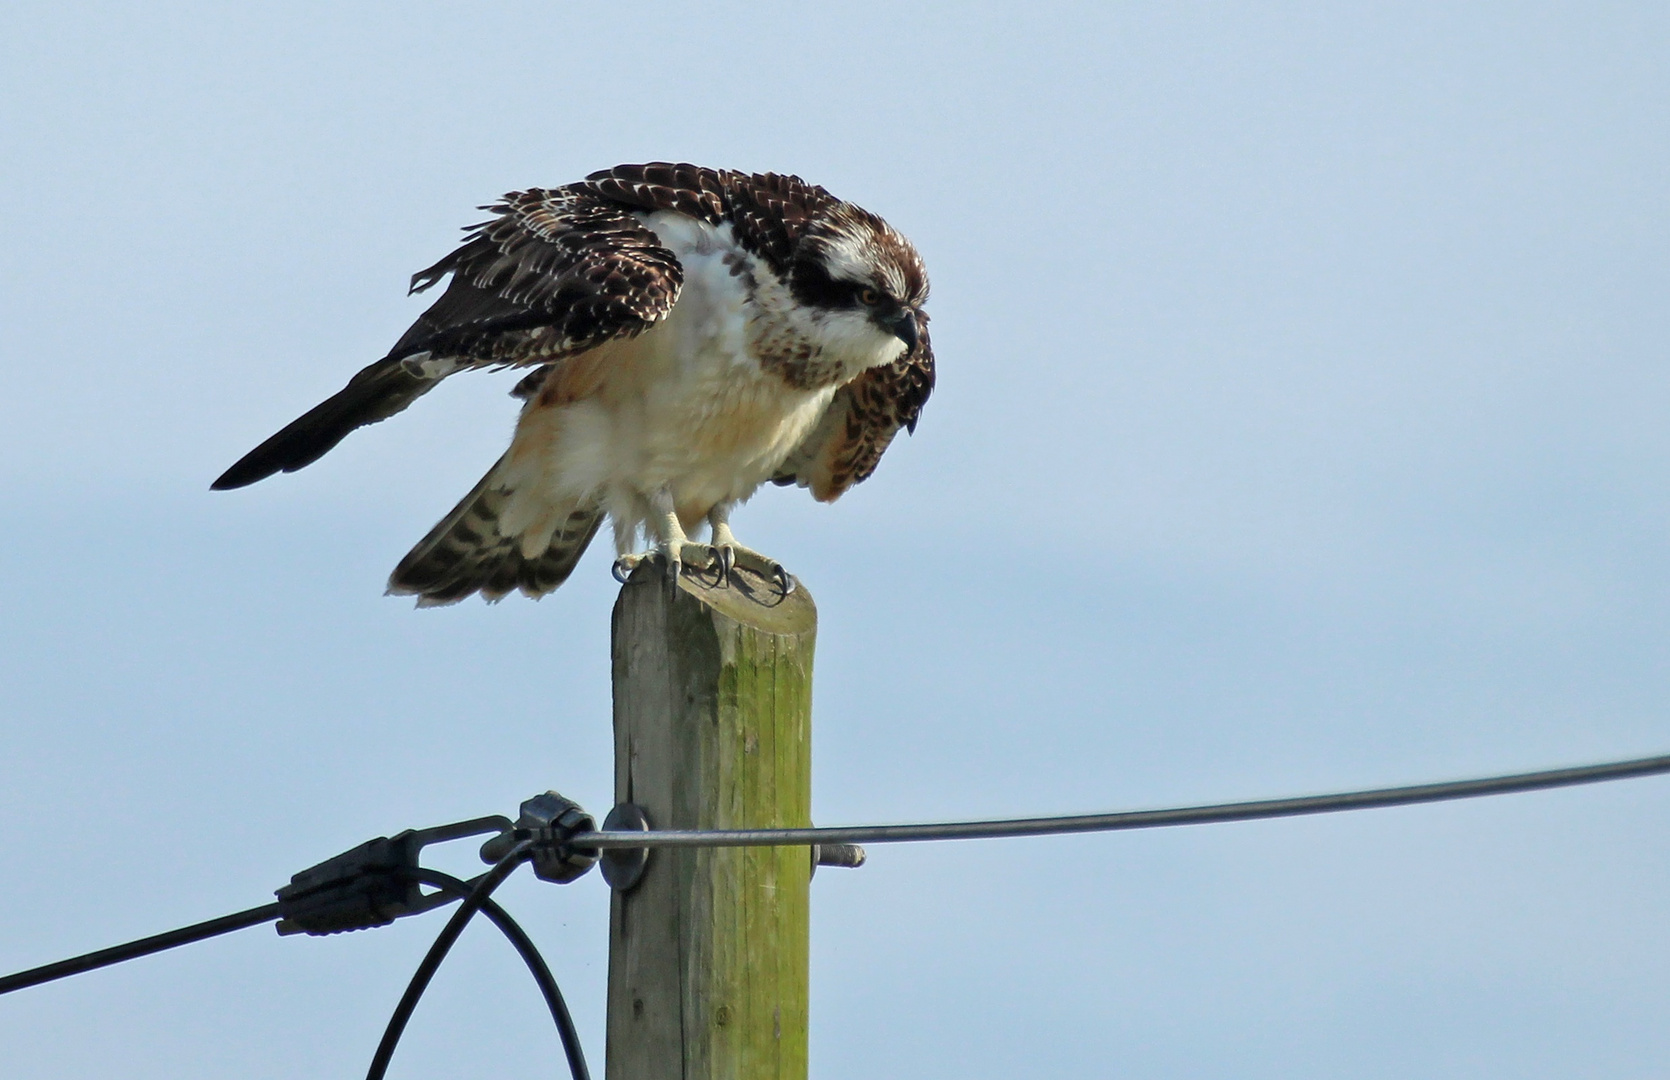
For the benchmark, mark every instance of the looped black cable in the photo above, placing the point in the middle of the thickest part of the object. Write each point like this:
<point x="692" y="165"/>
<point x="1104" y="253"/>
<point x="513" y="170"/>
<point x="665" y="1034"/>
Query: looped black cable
<point x="530" y="955"/>
<point x="437" y="952"/>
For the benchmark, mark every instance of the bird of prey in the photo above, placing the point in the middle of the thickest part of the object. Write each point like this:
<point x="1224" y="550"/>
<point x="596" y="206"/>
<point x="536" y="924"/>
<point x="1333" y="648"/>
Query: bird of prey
<point x="692" y="334"/>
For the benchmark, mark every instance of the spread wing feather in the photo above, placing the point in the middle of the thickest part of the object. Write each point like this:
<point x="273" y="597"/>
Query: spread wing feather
<point x="769" y="212"/>
<point x="553" y="273"/>
<point x="862" y="419"/>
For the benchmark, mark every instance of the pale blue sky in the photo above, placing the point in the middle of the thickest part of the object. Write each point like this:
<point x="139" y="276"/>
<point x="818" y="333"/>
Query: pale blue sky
<point x="1301" y="425"/>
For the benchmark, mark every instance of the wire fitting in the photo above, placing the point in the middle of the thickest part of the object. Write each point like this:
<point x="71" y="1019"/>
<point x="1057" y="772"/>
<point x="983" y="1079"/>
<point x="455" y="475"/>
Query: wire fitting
<point x="550" y="821"/>
<point x="850" y="856"/>
<point x="372" y="884"/>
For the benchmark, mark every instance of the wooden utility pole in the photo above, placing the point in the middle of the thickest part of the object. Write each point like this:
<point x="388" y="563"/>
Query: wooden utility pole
<point x="708" y="951"/>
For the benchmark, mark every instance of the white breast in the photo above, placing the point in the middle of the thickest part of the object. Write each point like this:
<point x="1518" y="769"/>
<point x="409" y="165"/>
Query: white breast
<point x="685" y="406"/>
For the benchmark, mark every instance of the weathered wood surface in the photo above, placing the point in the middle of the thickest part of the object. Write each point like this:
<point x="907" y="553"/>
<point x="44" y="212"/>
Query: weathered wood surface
<point x="708" y="954"/>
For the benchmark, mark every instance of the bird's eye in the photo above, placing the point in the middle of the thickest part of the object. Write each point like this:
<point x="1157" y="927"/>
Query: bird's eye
<point x="869" y="297"/>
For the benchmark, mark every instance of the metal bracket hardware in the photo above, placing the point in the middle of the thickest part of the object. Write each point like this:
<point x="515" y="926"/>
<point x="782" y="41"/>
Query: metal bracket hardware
<point x="847" y="855"/>
<point x="370" y="885"/>
<point x="623" y="867"/>
<point x="549" y="820"/>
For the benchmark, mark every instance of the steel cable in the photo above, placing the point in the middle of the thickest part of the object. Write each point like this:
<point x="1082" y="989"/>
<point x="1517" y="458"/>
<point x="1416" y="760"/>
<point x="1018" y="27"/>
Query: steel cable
<point x="1128" y="819"/>
<point x="882" y="834"/>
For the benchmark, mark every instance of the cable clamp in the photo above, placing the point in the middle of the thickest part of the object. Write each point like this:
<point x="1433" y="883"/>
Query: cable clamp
<point x="370" y="885"/>
<point x="550" y="821"/>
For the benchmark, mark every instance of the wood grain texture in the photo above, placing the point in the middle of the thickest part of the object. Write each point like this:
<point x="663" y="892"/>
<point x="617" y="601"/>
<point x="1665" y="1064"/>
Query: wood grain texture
<point x="708" y="954"/>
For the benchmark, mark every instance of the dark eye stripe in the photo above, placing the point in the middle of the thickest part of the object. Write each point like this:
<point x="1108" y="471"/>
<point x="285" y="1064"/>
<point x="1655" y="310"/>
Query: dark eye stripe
<point x="812" y="285"/>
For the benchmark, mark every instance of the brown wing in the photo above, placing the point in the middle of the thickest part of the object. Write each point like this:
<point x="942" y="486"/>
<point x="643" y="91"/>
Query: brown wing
<point x="769" y="212"/>
<point x="860" y="423"/>
<point x="555" y="272"/>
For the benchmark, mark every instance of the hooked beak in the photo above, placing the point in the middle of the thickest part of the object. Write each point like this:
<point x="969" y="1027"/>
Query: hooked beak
<point x="903" y="327"/>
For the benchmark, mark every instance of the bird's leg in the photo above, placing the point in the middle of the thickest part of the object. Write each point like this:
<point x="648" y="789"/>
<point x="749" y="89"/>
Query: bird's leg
<point x="670" y="542"/>
<point x="732" y="555"/>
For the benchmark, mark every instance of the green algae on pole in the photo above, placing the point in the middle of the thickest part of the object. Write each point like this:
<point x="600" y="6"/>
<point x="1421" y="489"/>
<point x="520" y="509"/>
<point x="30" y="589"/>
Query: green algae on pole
<point x="708" y="951"/>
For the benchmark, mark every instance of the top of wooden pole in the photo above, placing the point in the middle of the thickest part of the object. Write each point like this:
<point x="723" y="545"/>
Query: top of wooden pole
<point x="747" y="599"/>
<point x="708" y="950"/>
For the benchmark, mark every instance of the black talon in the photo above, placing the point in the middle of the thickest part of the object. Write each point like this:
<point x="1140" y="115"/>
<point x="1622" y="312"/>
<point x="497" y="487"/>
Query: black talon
<point x="717" y="565"/>
<point x="615" y="572"/>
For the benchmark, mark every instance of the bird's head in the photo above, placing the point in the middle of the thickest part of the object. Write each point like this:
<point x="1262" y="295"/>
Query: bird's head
<point x="864" y="284"/>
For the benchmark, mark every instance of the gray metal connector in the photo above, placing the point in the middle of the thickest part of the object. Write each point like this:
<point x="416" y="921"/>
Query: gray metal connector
<point x="549" y="820"/>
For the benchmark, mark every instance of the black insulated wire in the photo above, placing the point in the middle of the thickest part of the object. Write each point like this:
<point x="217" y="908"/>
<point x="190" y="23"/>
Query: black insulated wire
<point x="133" y="950"/>
<point x="438" y="951"/>
<point x="530" y="955"/>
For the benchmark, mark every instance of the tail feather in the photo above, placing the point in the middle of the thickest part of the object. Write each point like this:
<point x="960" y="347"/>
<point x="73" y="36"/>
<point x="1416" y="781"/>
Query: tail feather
<point x="378" y="392"/>
<point x="469" y="552"/>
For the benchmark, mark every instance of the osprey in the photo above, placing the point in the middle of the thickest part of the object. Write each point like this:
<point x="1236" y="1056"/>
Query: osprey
<point x="693" y="333"/>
